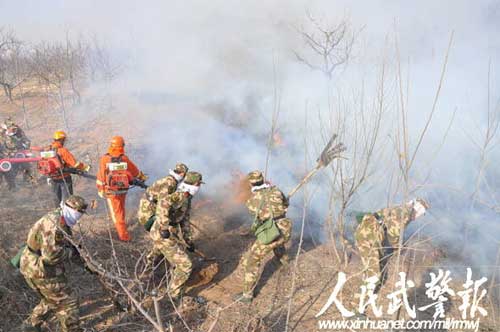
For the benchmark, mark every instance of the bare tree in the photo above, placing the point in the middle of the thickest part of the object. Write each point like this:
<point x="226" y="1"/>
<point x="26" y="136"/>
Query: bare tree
<point x="14" y="68"/>
<point x="101" y="66"/>
<point x="60" y="67"/>
<point x="75" y="64"/>
<point x="329" y="45"/>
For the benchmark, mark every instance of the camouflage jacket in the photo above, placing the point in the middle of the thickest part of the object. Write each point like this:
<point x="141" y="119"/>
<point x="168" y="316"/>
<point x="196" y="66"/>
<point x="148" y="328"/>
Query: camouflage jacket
<point x="173" y="213"/>
<point x="162" y="187"/>
<point x="267" y="203"/>
<point x="394" y="220"/>
<point x="47" y="248"/>
<point x="16" y="142"/>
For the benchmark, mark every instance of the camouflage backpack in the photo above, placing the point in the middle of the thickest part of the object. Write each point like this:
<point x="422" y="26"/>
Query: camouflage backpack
<point x="272" y="204"/>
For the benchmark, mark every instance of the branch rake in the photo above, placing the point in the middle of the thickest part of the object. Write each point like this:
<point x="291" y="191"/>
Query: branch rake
<point x="330" y="152"/>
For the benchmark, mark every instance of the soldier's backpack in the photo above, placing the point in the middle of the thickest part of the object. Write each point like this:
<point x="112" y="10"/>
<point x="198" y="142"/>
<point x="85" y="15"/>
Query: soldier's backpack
<point x="50" y="164"/>
<point x="267" y="231"/>
<point x="149" y="223"/>
<point x="117" y="176"/>
<point x="16" y="260"/>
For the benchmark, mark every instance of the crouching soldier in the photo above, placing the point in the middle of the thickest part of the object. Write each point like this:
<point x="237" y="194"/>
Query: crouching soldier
<point x="388" y="224"/>
<point x="171" y="232"/>
<point x="42" y="265"/>
<point x="268" y="206"/>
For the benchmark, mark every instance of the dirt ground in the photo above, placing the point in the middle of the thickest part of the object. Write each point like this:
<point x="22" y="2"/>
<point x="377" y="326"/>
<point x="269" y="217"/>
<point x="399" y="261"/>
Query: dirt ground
<point x="287" y="297"/>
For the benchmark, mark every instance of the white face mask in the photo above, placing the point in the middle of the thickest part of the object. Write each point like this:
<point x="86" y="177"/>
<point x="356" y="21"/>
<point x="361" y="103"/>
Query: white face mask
<point x="188" y="188"/>
<point x="262" y="186"/>
<point x="176" y="176"/>
<point x="71" y="216"/>
<point x="419" y="209"/>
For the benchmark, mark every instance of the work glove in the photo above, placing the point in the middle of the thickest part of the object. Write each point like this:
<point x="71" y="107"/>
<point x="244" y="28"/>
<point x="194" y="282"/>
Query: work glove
<point x="164" y="233"/>
<point x="86" y="168"/>
<point x="101" y="193"/>
<point x="141" y="176"/>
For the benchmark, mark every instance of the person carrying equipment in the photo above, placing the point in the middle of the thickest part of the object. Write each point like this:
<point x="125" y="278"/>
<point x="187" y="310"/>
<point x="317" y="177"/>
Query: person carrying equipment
<point x="268" y="206"/>
<point x="116" y="173"/>
<point x="55" y="160"/>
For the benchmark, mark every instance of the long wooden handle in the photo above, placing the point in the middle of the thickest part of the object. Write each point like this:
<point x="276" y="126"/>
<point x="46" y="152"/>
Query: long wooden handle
<point x="304" y="180"/>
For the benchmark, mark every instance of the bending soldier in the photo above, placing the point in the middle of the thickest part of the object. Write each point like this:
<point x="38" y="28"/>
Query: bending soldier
<point x="42" y="265"/>
<point x="387" y="223"/>
<point x="149" y="201"/>
<point x="171" y="232"/>
<point x="268" y="206"/>
<point x="160" y="188"/>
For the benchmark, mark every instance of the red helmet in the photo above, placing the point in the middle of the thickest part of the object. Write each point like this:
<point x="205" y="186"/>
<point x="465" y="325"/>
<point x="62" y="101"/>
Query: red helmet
<point x="117" y="142"/>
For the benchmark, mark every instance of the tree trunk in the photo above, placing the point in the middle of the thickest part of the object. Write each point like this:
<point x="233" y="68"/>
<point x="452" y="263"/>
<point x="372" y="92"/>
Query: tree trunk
<point x="25" y="112"/>
<point x="8" y="91"/>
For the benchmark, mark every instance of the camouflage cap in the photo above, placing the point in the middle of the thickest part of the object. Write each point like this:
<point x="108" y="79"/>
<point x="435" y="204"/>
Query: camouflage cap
<point x="255" y="177"/>
<point x="181" y="168"/>
<point x="9" y="123"/>
<point x="77" y="203"/>
<point x="193" y="178"/>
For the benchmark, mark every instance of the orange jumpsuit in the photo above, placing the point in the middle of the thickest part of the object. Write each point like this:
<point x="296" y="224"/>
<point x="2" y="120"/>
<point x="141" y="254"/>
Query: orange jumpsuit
<point x="116" y="202"/>
<point x="62" y="184"/>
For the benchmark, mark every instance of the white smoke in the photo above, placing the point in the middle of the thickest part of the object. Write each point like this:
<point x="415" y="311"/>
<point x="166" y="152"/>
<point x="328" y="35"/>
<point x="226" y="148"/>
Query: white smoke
<point x="201" y="80"/>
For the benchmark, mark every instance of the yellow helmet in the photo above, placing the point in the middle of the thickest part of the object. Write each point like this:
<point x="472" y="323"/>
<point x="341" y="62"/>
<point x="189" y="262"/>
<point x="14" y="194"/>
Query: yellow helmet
<point x="58" y="135"/>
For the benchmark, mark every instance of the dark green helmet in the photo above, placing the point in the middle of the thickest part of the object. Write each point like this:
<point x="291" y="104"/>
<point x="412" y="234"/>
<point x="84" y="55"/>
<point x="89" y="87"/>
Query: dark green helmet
<point x="193" y="178"/>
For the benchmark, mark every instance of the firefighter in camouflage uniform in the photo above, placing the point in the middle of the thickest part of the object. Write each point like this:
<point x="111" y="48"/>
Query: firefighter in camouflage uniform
<point x="146" y="214"/>
<point x="388" y="223"/>
<point x="171" y="232"/>
<point x="268" y="206"/>
<point x="12" y="141"/>
<point x="42" y="265"/>
<point x="160" y="188"/>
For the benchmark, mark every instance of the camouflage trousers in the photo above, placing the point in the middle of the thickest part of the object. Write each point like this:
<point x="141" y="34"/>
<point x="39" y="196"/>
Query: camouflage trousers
<point x="179" y="260"/>
<point x="57" y="298"/>
<point x="255" y="256"/>
<point x="371" y="250"/>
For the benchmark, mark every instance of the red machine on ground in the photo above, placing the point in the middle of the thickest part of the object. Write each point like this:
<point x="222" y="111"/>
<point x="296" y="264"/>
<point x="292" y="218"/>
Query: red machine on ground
<point x="21" y="157"/>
